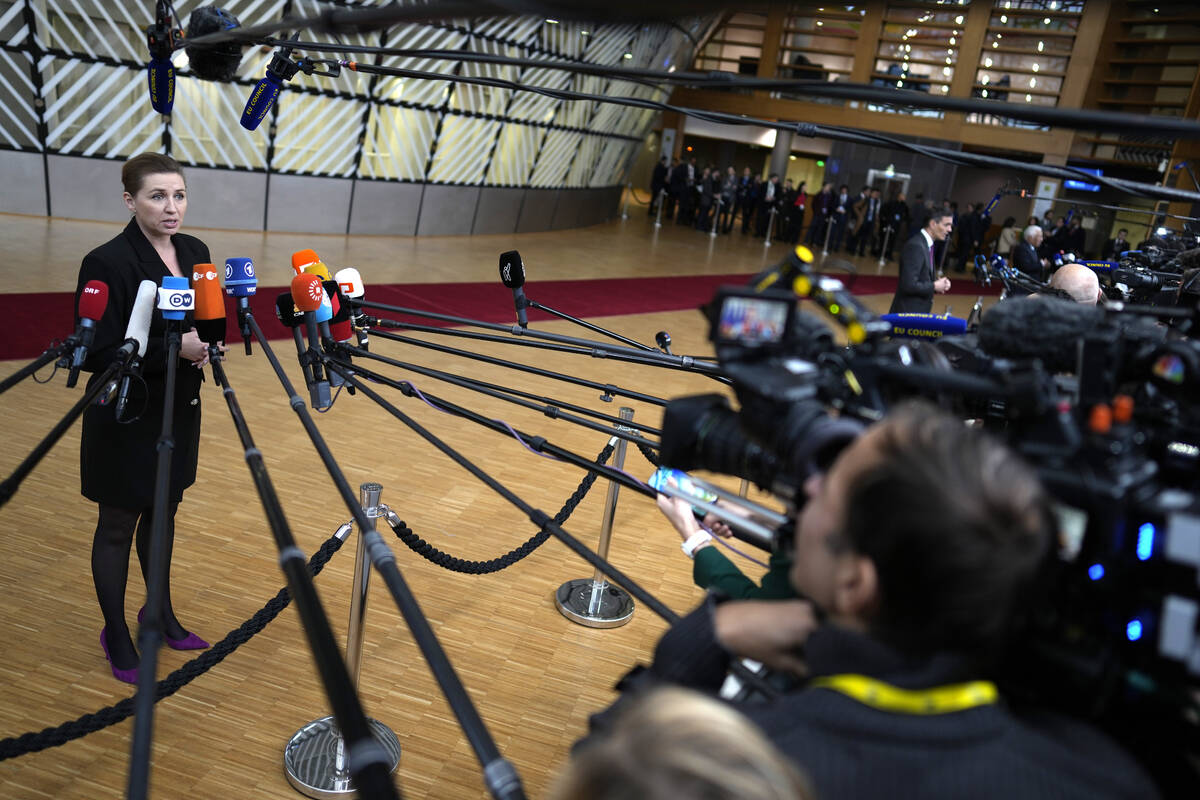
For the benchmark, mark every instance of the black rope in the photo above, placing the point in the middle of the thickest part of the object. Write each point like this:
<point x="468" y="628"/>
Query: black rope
<point x="90" y="723"/>
<point x="649" y="454"/>
<point x="431" y="553"/>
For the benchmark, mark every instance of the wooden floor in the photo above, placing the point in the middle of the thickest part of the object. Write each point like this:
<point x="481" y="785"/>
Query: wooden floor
<point x="534" y="675"/>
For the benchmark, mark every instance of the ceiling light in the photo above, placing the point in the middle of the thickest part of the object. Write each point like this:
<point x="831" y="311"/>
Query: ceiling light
<point x="1004" y="19"/>
<point x="945" y="88"/>
<point x="1046" y="21"/>
<point x="1033" y="83"/>
<point x="985" y="79"/>
<point x="627" y="55"/>
<point x="1035" y="67"/>
<point x="987" y="62"/>
<point x="983" y="93"/>
<point x="1041" y="46"/>
<point x="551" y="21"/>
<point x="1028" y="98"/>
<point x="958" y="20"/>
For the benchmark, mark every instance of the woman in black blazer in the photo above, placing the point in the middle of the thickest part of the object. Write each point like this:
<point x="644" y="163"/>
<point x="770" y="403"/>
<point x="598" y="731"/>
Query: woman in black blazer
<point x="118" y="457"/>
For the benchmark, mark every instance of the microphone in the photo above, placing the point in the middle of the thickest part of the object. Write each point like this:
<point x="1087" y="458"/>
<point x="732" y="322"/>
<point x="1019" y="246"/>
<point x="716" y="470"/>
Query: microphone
<point x="241" y="283"/>
<point x="319" y="269"/>
<point x="512" y="274"/>
<point x="211" y="323"/>
<point x="987" y="212"/>
<point x="925" y="326"/>
<point x="309" y="297"/>
<point x="1101" y="267"/>
<point x="1048" y="328"/>
<point x="92" y="302"/>
<point x="304" y="258"/>
<point x="162" y="38"/>
<point x="663" y="340"/>
<point x="137" y="335"/>
<point x="340" y="329"/>
<point x="218" y="62"/>
<point x="350" y="284"/>
<point x="280" y="70"/>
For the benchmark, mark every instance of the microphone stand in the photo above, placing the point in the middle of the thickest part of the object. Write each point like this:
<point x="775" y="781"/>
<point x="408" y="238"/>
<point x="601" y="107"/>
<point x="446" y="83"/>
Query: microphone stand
<point x="10" y="485"/>
<point x="590" y="326"/>
<point x="608" y="391"/>
<point x="536" y="443"/>
<point x="506" y="394"/>
<point x="150" y="631"/>
<point x="499" y="775"/>
<point x="370" y="770"/>
<point x="51" y="353"/>
<point x="601" y="349"/>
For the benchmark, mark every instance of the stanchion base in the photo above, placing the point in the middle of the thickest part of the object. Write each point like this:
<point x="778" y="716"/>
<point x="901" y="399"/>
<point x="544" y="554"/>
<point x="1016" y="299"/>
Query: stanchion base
<point x="310" y="758"/>
<point x="574" y="599"/>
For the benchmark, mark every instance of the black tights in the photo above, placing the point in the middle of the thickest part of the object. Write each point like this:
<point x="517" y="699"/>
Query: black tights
<point x="110" y="572"/>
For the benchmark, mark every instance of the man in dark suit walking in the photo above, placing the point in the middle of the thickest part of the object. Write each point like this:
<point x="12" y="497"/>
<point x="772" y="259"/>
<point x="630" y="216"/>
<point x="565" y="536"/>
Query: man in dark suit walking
<point x="914" y="293"/>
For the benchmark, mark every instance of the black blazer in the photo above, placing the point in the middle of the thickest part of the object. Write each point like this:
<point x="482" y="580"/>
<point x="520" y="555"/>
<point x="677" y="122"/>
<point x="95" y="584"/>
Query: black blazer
<point x="914" y="292"/>
<point x="117" y="462"/>
<point x="1025" y="258"/>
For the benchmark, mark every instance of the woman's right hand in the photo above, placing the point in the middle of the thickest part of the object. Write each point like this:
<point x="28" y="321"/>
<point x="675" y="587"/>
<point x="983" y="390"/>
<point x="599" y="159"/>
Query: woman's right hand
<point x="193" y="349"/>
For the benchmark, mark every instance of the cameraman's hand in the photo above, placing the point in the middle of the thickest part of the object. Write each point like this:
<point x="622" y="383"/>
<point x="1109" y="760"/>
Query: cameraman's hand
<point x="770" y="631"/>
<point x="679" y="512"/>
<point x="717" y="526"/>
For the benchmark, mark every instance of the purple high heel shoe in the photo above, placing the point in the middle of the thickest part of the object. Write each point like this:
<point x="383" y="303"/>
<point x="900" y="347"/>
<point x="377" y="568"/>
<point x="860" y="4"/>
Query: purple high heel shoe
<point x="189" y="642"/>
<point x="123" y="675"/>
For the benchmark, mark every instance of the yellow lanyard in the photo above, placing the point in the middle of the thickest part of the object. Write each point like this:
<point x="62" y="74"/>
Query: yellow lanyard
<point x="885" y="697"/>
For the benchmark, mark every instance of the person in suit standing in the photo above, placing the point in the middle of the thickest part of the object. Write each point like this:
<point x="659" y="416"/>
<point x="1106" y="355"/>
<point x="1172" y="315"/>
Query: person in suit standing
<point x="1025" y="255"/>
<point x="118" y="459"/>
<point x="658" y="182"/>
<point x="1114" y="247"/>
<point x="918" y="281"/>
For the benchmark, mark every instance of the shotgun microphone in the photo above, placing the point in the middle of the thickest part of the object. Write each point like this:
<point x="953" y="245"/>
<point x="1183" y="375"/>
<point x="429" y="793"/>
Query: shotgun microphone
<point x="137" y="335"/>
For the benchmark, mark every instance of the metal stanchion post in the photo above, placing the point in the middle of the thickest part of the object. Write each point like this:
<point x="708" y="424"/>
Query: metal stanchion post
<point x="716" y="216"/>
<point x="744" y="489"/>
<point x="662" y="201"/>
<point x="887" y="238"/>
<point x="770" y="227"/>
<point x="828" y="231"/>
<point x="315" y="756"/>
<point x="625" y="205"/>
<point x="593" y="601"/>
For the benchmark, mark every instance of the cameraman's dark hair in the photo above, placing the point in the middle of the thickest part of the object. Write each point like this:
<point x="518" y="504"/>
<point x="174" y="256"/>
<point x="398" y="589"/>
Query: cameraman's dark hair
<point x="957" y="526"/>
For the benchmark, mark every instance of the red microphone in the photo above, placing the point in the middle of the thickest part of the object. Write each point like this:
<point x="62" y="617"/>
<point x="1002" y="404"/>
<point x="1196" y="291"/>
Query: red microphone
<point x="93" y="299"/>
<point x="339" y="327"/>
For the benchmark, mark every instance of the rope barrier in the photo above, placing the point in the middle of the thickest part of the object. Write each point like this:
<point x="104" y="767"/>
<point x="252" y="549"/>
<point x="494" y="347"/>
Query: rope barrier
<point x="33" y="742"/>
<point x="431" y="553"/>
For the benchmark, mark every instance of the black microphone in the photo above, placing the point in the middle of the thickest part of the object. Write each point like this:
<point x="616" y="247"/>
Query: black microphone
<point x="280" y="70"/>
<point x="663" y="340"/>
<point x="162" y="37"/>
<point x="216" y="62"/>
<point x="512" y="274"/>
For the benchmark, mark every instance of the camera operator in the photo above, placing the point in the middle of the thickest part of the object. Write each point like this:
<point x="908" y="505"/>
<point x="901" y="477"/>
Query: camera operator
<point x="918" y="548"/>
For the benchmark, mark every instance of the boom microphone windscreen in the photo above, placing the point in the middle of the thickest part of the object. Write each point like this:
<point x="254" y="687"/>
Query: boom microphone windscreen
<point x="307" y="292"/>
<point x="1048" y="328"/>
<point x="210" y="304"/>
<point x="217" y="62"/>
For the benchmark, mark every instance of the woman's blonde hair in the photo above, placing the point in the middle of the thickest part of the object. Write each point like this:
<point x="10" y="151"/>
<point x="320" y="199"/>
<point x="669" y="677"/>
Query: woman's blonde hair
<point x="675" y="744"/>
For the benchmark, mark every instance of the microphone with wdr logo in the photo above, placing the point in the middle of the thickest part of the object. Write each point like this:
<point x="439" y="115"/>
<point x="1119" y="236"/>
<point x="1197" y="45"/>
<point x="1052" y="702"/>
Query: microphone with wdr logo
<point x="241" y="283"/>
<point x="92" y="302"/>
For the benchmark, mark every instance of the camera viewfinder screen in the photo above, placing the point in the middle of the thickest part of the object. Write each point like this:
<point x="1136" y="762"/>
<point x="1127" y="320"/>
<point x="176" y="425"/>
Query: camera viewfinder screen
<point x="752" y="320"/>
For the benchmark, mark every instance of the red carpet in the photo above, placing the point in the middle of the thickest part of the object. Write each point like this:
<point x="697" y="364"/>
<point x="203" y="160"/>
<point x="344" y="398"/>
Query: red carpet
<point x="33" y="320"/>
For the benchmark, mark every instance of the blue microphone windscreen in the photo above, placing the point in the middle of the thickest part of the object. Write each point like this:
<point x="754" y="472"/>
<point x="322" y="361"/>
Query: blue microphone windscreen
<point x="260" y="101"/>
<point x="1100" y="266"/>
<point x="925" y="326"/>
<point x="176" y="297"/>
<point x="240" y="280"/>
<point x="160" y="73"/>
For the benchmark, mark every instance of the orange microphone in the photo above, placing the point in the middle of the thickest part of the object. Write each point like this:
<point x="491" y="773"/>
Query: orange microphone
<point x="303" y="258"/>
<point x="210" y="304"/>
